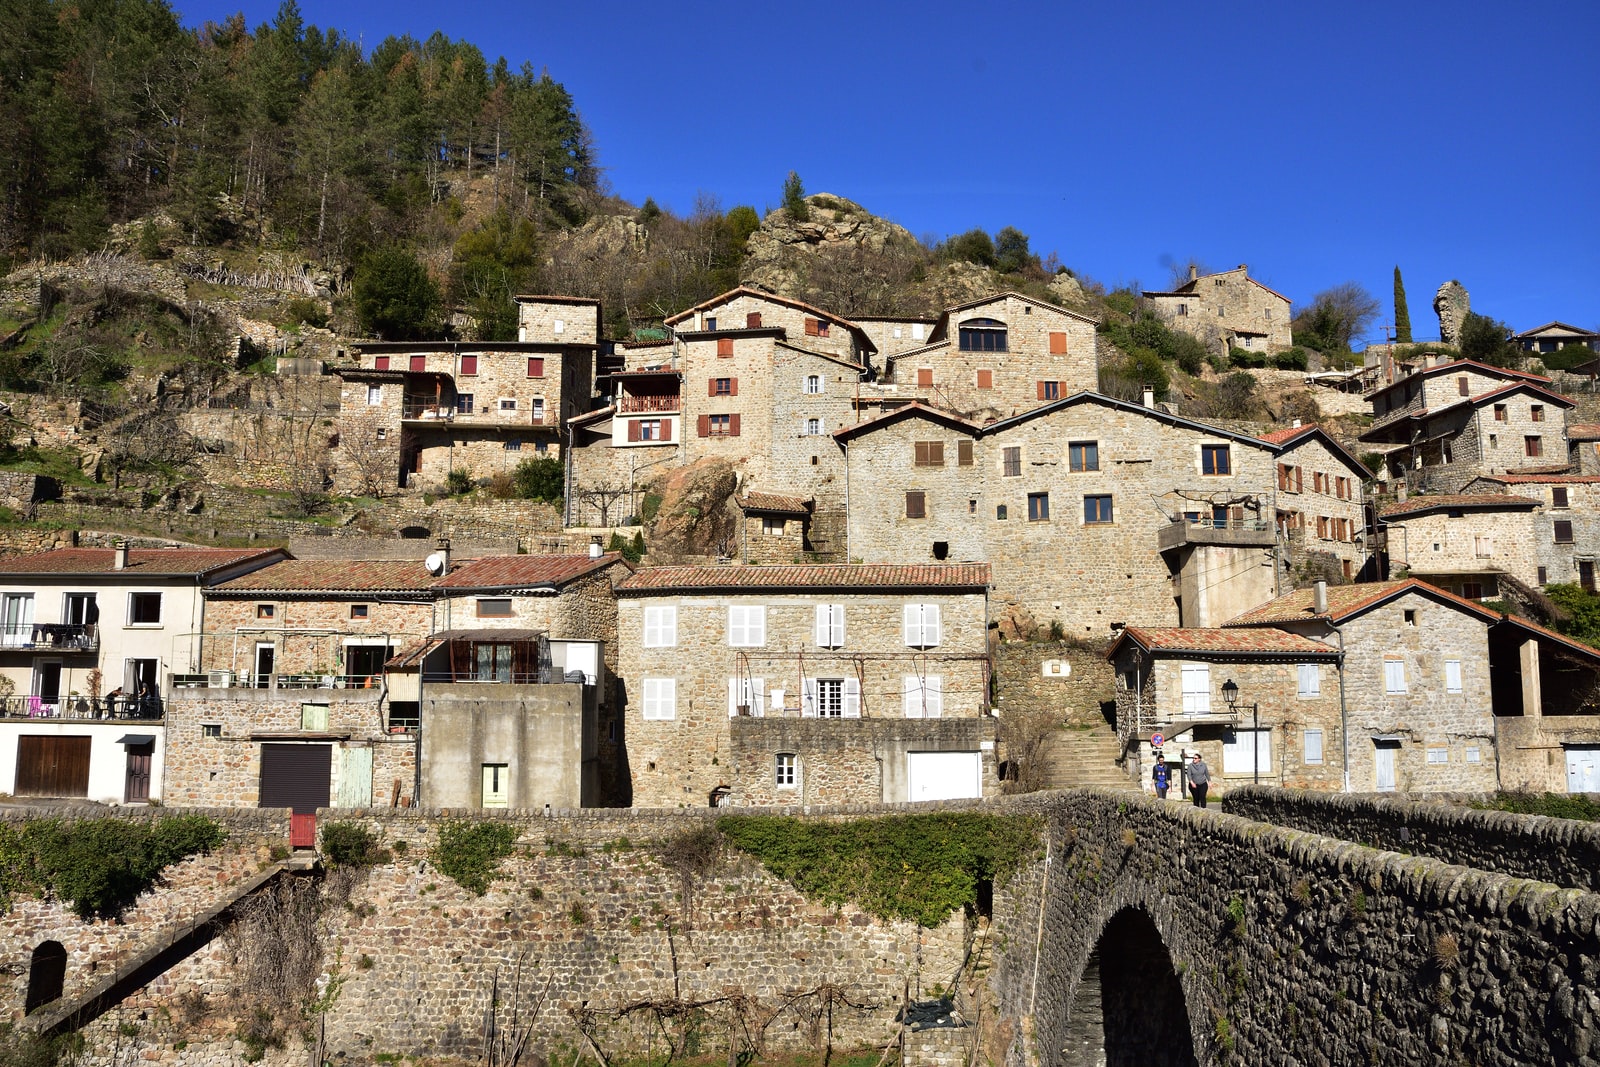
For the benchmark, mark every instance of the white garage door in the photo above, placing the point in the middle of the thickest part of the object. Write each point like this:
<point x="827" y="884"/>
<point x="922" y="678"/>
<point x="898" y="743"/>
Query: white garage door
<point x="1583" y="769"/>
<point x="945" y="775"/>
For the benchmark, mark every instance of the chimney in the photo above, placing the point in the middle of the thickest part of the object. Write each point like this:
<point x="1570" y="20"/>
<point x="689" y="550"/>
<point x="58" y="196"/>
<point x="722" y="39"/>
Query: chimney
<point x="119" y="561"/>
<point x="1149" y="397"/>
<point x="1319" y="598"/>
<point x="1245" y="267"/>
<point x="1194" y="272"/>
<point x="1296" y="424"/>
<point x="443" y="544"/>
<point x="595" y="551"/>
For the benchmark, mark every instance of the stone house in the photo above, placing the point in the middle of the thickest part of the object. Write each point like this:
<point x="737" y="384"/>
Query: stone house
<point x="1283" y="729"/>
<point x="996" y="357"/>
<point x="1095" y="511"/>
<point x="1320" y="501"/>
<point x="1565" y="536"/>
<point x="1553" y="336"/>
<point x="91" y="643"/>
<point x="893" y="334"/>
<point x="806" y="684"/>
<point x="1452" y="422"/>
<point x="1467" y="543"/>
<point x="411" y="413"/>
<point x="773" y="528"/>
<point x="1583" y="447"/>
<point x="1226" y="310"/>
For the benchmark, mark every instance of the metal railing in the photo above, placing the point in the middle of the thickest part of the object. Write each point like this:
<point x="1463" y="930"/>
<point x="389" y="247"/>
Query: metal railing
<point x="1206" y="522"/>
<point x="280" y="681"/>
<point x="51" y="636"/>
<point x="413" y="410"/>
<point x="547" y="676"/>
<point x="34" y="706"/>
<point x="630" y="404"/>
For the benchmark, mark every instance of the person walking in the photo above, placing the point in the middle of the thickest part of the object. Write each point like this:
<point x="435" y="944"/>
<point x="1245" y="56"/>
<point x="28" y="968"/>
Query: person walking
<point x="1199" y="780"/>
<point x="1159" y="775"/>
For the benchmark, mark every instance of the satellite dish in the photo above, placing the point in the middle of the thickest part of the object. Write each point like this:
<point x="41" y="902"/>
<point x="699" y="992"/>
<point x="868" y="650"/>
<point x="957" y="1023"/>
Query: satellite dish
<point x="434" y="563"/>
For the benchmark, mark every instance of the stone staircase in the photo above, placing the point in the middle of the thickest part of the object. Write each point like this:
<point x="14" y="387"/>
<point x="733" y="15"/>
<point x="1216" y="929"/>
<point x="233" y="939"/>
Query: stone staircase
<point x="1078" y="756"/>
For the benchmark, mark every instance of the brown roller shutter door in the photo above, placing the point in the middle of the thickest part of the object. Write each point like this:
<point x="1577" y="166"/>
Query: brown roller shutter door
<point x="296" y="776"/>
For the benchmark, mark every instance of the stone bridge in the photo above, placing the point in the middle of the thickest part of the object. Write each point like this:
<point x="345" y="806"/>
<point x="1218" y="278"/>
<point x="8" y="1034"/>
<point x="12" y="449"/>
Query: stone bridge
<point x="1145" y="933"/>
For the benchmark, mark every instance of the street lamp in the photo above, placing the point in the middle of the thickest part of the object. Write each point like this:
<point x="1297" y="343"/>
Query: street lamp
<point x="1230" y="695"/>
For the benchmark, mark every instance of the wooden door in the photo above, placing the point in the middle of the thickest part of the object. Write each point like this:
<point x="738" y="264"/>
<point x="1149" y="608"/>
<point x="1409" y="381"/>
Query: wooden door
<point x="140" y="758"/>
<point x="1383" y="766"/>
<point x="50" y="766"/>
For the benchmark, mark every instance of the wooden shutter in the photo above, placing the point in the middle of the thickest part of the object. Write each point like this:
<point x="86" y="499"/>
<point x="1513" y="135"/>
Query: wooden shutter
<point x="380" y="363"/>
<point x="666" y="429"/>
<point x="1058" y="344"/>
<point x="924" y="376"/>
<point x="536" y="366"/>
<point x="733" y="387"/>
<point x="916" y="505"/>
<point x="633" y="429"/>
<point x="852" y="698"/>
<point x="1299" y="480"/>
<point x="50" y="766"/>
<point x="752" y="321"/>
<point x="711" y="387"/>
<point x="936" y="453"/>
<point x="469" y="364"/>
<point x="986" y="379"/>
<point x="704" y="423"/>
<point x="419" y="363"/>
<point x="1041" y="389"/>
<point x="733" y="425"/>
<point x="811" y="327"/>
<point x="724" y="346"/>
<point x="964" y="453"/>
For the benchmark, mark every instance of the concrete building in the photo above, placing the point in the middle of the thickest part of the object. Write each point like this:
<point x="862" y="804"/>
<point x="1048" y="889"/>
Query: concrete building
<point x="812" y="684"/>
<point x="1226" y="310"/>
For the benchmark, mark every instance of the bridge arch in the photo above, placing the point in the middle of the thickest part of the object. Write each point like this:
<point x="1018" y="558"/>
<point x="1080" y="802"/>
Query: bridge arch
<point x="1127" y="1007"/>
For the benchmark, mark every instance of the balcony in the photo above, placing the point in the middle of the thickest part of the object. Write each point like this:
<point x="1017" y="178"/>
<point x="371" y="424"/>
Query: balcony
<point x="245" y="680"/>
<point x="630" y="404"/>
<point x="1249" y="533"/>
<point x="430" y="412"/>
<point x="81" y="708"/>
<point x="52" y="637"/>
<point x="489" y="416"/>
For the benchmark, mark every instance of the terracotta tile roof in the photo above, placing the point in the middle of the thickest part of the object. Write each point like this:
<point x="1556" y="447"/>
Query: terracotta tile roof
<point x="1418" y="505"/>
<point x="1292" y="435"/>
<point x="782" y="505"/>
<point x="1583" y="431"/>
<point x="1288" y="433"/>
<point x="1457" y="365"/>
<point x="326" y="576"/>
<point x="519" y="572"/>
<point x="1542" y="479"/>
<point x="745" y="290"/>
<point x="816" y="576"/>
<point x="552" y="298"/>
<point x="165" y="561"/>
<point x="941" y="324"/>
<point x="1346" y="601"/>
<point x="1263" y="641"/>
<point x="1395" y="418"/>
<point x="904" y="410"/>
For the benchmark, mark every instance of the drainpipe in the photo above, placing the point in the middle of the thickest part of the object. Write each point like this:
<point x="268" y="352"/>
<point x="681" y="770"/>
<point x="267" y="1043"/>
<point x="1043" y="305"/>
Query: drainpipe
<point x="847" y="523"/>
<point x="1344" y="714"/>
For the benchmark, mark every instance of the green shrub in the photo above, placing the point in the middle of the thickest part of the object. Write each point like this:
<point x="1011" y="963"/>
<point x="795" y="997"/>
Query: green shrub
<point x="349" y="844"/>
<point x="459" y="482"/>
<point x="1290" y="359"/>
<point x="542" y="478"/>
<point x="100" y="866"/>
<point x="1552" y="805"/>
<point x="305" y="310"/>
<point x="650" y="507"/>
<point x="632" y="549"/>
<point x="469" y="852"/>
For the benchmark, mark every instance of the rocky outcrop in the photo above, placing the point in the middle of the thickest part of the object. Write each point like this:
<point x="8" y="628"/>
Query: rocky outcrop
<point x="697" y="517"/>
<point x="776" y="254"/>
<point x="1452" y="304"/>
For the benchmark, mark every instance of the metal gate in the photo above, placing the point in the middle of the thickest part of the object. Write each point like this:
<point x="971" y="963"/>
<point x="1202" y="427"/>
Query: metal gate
<point x="1583" y="769"/>
<point x="297" y="777"/>
<point x="52" y="766"/>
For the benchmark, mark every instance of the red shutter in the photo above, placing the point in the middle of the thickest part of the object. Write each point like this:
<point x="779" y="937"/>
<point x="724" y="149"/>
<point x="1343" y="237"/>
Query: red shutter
<point x="469" y="364"/>
<point x="711" y="387"/>
<point x="419" y="363"/>
<point x="752" y="321"/>
<point x="1299" y="480"/>
<point x="924" y="377"/>
<point x="704" y="423"/>
<point x="666" y="429"/>
<point x="811" y="327"/>
<point x="733" y="387"/>
<point x="1058" y="344"/>
<point x="536" y="366"/>
<point x="1041" y="389"/>
<point x="986" y="379"/>
<point x="380" y="363"/>
<point x="733" y="426"/>
<point x="633" y="429"/>
<point x="724" y="346"/>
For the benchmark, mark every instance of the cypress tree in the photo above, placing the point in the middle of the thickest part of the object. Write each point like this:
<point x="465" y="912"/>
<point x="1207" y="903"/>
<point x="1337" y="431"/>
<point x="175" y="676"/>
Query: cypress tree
<point x="1402" y="314"/>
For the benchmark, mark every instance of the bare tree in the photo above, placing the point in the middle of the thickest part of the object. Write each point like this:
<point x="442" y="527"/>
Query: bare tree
<point x="1337" y="316"/>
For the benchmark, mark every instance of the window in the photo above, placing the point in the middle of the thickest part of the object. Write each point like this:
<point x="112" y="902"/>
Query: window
<point x="1311" y="747"/>
<point x="1544" y="575"/>
<point x="916" y="505"/>
<point x="830" y="625"/>
<point x="80" y="609"/>
<point x="784" y="774"/>
<point x="1247" y="752"/>
<point x="266" y="611"/>
<point x="1482" y="546"/>
<point x="314" y="717"/>
<point x="508" y="403"/>
<point x="1558" y="496"/>
<point x="747" y="625"/>
<point x="380" y="363"/>
<point x="1472" y="590"/>
<point x="1058" y="344"/>
<point x="1452" y="676"/>
<point x="359" y="611"/>
<point x="660" y="698"/>
<point x="921" y="625"/>
<point x="816" y="328"/>
<point x="1038" y="507"/>
<point x="719" y="425"/>
<point x="382" y="433"/>
<point x="492" y="661"/>
<point x="1049" y="390"/>
<point x="1011" y="462"/>
<point x="211" y="729"/>
<point x="419" y="363"/>
<point x="772" y="526"/>
<point x="924" y="696"/>
<point x="374" y="395"/>
<point x="144" y="609"/>
<point x="464" y="403"/>
<point x="1083" y="456"/>
<point x="1438" y="755"/>
<point x="1096" y="510"/>
<point x="985" y="378"/>
<point x="917" y="331"/>
<point x="1410" y="616"/>
<point x="1533" y="445"/>
<point x="964" y="453"/>
<point x="1494" y="440"/>
<point x="929" y="453"/>
<point x="469" y="365"/>
<point x="924" y="377"/>
<point x="1196" y="681"/>
<point x="724" y="387"/>
<point x="1310" y="680"/>
<point x="537" y="413"/>
<point x="1536" y="412"/>
<point x="752" y="320"/>
<point x="982" y="335"/>
<point x="1563" y="531"/>
<point x="536" y="366"/>
<point x="812" y="384"/>
<point x="1472" y="754"/>
<point x="558" y="326"/>
<point x="1463" y="386"/>
<point x="813" y="428"/>
<point x="1000" y="511"/>
<point x="513" y="445"/>
<point x="494" y="607"/>
<point x="650" y="429"/>
<point x="831" y="698"/>
<point x="711" y="323"/>
<point x="724" y="347"/>
<point x="1183" y="310"/>
<point x="1394" y="676"/>
<point x="1214" y="459"/>
<point x="1499" y="413"/>
<point x="661" y="626"/>
<point x="746" y="693"/>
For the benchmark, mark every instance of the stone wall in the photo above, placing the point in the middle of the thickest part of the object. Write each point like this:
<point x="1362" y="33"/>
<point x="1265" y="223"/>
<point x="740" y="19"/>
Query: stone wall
<point x="1452" y="550"/>
<point x="1211" y="308"/>
<point x="1022" y="686"/>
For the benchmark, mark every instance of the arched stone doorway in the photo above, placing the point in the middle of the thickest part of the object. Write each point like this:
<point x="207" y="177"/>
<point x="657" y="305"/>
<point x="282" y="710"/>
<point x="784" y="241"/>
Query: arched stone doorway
<point x="415" y="533"/>
<point x="47" y="973"/>
<point x="1129" y="1009"/>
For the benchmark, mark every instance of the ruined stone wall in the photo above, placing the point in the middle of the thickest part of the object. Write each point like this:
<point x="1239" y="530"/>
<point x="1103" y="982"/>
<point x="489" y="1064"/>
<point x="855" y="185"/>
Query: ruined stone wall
<point x="1022" y="687"/>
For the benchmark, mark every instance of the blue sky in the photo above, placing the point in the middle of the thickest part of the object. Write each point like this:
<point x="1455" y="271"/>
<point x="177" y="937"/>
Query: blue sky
<point x="1319" y="143"/>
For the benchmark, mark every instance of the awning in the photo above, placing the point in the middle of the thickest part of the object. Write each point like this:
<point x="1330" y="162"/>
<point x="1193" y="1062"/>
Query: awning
<point x="136" y="739"/>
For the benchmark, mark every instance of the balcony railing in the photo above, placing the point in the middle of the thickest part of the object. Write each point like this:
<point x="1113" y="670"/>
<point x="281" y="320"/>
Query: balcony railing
<point x="629" y="404"/>
<point x="228" y="680"/>
<point x="445" y="413"/>
<point x="542" y="677"/>
<point x="414" y="410"/>
<point x="51" y="636"/>
<point x="80" y="707"/>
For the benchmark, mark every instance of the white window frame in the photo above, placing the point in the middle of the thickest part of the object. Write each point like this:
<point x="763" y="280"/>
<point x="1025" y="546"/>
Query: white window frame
<point x="1452" y="676"/>
<point x="1310" y="680"/>
<point x="810" y="381"/>
<point x="508" y="403"/>
<point x="659" y="699"/>
<point x="1482" y="546"/>
<point x="774" y="525"/>
<point x="921" y="626"/>
<point x="747" y="625"/>
<point x="1311" y="747"/>
<point x="830" y="626"/>
<point x="161" y="609"/>
<point x="786" y="770"/>
<point x="1437" y="755"/>
<point x="1238" y="757"/>
<point x="752" y="692"/>
<point x="660" y="626"/>
<point x="923" y="696"/>
<point x="374" y="396"/>
<point x="811" y="428"/>
<point x="849" y="698"/>
<point x="1195" y="685"/>
<point x="1394" y="676"/>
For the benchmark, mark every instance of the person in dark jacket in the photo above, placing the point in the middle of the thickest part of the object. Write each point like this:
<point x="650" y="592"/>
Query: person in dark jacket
<point x="1199" y="780"/>
<point x="1159" y="775"/>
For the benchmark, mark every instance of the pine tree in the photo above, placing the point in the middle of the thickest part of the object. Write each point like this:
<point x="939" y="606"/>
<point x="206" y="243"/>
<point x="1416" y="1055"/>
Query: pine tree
<point x="1402" y="314"/>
